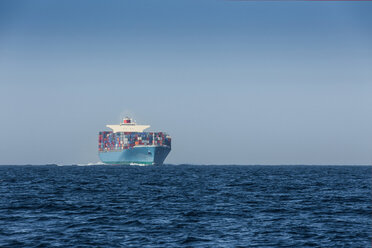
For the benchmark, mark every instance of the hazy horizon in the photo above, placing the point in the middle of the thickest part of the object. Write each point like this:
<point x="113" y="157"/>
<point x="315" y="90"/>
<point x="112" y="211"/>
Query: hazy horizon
<point x="232" y="82"/>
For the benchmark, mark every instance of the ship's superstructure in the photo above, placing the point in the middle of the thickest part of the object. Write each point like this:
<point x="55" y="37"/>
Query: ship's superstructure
<point x="127" y="143"/>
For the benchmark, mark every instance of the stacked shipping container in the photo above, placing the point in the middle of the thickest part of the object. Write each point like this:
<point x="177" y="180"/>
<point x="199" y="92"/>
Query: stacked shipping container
<point x="108" y="140"/>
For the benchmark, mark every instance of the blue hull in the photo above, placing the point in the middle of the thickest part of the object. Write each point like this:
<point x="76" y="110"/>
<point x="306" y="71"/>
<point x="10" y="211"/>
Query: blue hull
<point x="151" y="155"/>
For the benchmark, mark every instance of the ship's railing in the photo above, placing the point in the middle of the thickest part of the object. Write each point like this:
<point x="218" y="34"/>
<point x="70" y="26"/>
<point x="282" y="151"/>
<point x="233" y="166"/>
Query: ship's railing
<point x="117" y="149"/>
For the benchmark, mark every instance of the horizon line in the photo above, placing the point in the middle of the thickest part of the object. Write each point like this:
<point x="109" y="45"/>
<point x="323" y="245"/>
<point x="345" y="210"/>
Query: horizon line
<point x="299" y="0"/>
<point x="182" y="164"/>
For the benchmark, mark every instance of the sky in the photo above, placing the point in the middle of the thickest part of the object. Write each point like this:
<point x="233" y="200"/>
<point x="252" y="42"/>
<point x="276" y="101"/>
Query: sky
<point x="233" y="82"/>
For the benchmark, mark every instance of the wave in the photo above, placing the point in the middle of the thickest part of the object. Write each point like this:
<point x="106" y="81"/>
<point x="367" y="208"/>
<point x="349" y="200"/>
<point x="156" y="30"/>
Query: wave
<point x="90" y="164"/>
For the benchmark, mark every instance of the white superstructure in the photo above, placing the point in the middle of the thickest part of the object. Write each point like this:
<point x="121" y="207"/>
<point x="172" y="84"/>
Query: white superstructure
<point x="128" y="125"/>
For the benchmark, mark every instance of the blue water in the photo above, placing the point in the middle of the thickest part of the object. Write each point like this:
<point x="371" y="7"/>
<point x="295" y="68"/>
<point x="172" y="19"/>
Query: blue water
<point x="185" y="206"/>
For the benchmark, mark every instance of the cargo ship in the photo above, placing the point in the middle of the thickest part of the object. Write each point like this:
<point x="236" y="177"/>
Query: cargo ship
<point x="128" y="144"/>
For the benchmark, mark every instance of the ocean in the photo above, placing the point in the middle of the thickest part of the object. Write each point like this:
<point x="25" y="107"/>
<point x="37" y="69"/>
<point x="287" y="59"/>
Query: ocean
<point x="185" y="206"/>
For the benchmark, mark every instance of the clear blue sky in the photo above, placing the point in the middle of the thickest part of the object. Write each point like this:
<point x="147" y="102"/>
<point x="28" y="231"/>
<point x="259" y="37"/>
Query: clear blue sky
<point x="233" y="82"/>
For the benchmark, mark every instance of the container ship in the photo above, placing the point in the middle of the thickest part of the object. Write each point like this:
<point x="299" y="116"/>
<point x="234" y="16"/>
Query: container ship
<point x="127" y="143"/>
